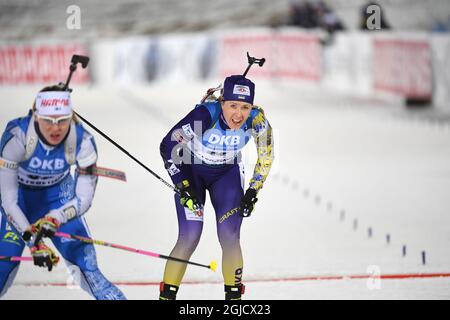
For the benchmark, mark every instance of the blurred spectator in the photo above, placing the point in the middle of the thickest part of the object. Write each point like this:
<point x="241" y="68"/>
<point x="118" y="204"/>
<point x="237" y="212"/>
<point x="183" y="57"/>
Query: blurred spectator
<point x="327" y="19"/>
<point x="313" y="14"/>
<point x="364" y="16"/>
<point x="441" y="26"/>
<point x="302" y="14"/>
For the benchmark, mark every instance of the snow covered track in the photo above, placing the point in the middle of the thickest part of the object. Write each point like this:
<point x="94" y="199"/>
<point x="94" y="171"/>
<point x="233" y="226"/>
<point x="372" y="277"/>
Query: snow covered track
<point x="281" y="279"/>
<point x="333" y="155"/>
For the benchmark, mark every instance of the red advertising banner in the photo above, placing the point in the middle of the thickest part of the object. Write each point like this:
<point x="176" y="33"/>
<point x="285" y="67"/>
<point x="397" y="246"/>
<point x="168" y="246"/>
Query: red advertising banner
<point x="291" y="55"/>
<point x="403" y="67"/>
<point x="298" y="56"/>
<point x="233" y="51"/>
<point x="46" y="64"/>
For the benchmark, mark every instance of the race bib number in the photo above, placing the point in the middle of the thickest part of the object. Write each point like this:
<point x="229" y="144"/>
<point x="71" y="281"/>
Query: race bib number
<point x="193" y="216"/>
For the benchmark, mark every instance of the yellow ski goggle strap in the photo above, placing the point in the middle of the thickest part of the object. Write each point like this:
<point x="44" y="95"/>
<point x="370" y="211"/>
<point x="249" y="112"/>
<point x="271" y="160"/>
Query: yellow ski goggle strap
<point x="8" y="164"/>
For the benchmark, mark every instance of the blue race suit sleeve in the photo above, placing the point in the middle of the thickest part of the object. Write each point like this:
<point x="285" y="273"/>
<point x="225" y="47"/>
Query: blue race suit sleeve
<point x="173" y="146"/>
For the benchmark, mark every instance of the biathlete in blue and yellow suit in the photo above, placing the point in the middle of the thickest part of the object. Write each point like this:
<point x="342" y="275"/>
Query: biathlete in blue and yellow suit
<point x="39" y="195"/>
<point x="202" y="152"/>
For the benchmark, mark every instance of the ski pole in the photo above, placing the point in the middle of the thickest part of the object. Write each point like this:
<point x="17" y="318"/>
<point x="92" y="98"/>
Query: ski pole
<point x="15" y="259"/>
<point x="212" y="265"/>
<point x="128" y="154"/>
<point x="84" y="63"/>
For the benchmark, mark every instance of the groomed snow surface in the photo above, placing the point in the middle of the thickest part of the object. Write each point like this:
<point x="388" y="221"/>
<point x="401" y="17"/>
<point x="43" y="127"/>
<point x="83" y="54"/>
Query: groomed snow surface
<point x="343" y="165"/>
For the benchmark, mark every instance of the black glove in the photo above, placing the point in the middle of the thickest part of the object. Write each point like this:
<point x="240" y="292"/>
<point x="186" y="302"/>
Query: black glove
<point x="248" y="202"/>
<point x="188" y="198"/>
<point x="46" y="226"/>
<point x="43" y="256"/>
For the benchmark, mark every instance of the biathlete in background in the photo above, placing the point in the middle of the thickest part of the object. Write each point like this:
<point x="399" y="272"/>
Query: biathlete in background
<point x="40" y="196"/>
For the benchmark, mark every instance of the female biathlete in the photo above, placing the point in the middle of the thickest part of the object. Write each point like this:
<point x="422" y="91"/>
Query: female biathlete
<point x="202" y="152"/>
<point x="39" y="196"/>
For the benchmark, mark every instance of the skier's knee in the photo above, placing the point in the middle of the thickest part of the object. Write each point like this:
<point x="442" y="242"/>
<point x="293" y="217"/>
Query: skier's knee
<point x="228" y="238"/>
<point x="189" y="241"/>
<point x="8" y="271"/>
